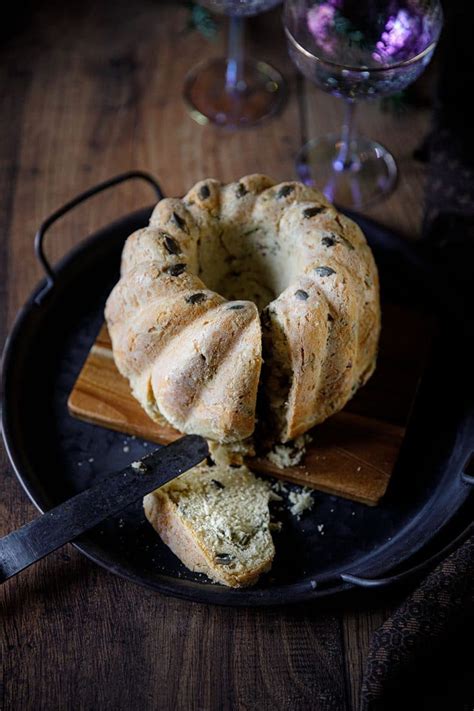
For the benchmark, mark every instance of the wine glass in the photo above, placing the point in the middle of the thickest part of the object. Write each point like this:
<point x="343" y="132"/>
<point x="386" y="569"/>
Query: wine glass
<point x="235" y="91"/>
<point x="357" y="49"/>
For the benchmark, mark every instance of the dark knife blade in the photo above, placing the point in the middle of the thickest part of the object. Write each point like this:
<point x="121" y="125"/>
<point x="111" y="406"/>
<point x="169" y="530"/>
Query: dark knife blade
<point x="82" y="512"/>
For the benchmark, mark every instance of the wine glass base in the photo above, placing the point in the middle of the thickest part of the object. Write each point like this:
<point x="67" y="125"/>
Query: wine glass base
<point x="261" y="94"/>
<point x="371" y="176"/>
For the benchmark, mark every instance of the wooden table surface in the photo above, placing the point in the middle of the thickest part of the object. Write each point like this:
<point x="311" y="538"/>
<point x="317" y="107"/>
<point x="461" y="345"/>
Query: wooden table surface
<point x="89" y="90"/>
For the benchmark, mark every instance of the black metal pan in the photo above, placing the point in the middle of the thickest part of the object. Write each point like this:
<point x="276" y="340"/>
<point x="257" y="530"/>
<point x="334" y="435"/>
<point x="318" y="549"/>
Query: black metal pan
<point x="425" y="512"/>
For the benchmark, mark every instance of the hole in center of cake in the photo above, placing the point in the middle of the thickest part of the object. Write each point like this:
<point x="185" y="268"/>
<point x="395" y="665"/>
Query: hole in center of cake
<point x="245" y="262"/>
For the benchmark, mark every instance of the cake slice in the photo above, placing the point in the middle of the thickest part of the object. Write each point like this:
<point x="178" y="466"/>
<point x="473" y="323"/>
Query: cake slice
<point x="216" y="520"/>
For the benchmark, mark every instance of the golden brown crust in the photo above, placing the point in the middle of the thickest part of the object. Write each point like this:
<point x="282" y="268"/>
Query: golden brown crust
<point x="219" y="352"/>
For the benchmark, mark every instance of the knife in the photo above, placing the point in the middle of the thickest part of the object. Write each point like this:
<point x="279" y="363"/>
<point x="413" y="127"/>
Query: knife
<point x="112" y="494"/>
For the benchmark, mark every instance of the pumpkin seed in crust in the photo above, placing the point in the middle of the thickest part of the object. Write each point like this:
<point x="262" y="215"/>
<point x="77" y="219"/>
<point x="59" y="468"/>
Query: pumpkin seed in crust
<point x="223" y="558"/>
<point x="324" y="271"/>
<point x="171" y="245"/>
<point x="180" y="222"/>
<point x="284" y="191"/>
<point x="328" y="241"/>
<point x="204" y="192"/>
<point x="176" y="269"/>
<point x="312" y="212"/>
<point x="196" y="298"/>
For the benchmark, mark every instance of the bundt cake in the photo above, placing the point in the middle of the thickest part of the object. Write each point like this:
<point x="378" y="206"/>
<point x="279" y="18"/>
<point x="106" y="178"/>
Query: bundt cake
<point x="241" y="292"/>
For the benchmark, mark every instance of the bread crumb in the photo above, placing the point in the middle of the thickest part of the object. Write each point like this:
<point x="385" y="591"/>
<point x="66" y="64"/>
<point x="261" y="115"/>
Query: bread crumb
<point x="301" y="501"/>
<point x="126" y="449"/>
<point x="138" y="466"/>
<point x="283" y="456"/>
<point x="279" y="487"/>
<point x="231" y="454"/>
<point x="290" y="454"/>
<point x="275" y="497"/>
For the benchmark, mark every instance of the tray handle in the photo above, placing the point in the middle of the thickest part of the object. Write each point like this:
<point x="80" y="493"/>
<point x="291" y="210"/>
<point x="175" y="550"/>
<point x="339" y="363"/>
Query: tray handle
<point x="413" y="572"/>
<point x="40" y="235"/>
<point x="467" y="474"/>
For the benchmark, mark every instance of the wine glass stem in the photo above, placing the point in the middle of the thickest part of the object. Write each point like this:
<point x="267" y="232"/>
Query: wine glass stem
<point x="235" y="55"/>
<point x="345" y="159"/>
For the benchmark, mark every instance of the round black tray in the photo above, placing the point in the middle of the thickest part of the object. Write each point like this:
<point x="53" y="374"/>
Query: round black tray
<point x="423" y="515"/>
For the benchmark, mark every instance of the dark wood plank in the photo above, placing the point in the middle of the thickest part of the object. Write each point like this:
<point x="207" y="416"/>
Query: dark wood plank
<point x="358" y="628"/>
<point x="72" y="645"/>
<point x="106" y="98"/>
<point x="92" y="89"/>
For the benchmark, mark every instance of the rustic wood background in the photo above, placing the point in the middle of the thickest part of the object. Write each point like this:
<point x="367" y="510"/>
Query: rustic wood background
<point x="89" y="90"/>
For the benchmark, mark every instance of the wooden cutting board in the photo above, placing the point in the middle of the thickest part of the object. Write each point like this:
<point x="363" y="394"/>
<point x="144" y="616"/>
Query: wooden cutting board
<point x="352" y="454"/>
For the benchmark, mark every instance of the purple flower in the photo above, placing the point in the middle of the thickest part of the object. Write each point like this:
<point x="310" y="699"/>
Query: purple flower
<point x="403" y="37"/>
<point x="321" y="24"/>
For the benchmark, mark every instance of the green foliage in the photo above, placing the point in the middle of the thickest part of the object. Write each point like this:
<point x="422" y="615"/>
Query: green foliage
<point x="344" y="26"/>
<point x="200" y="19"/>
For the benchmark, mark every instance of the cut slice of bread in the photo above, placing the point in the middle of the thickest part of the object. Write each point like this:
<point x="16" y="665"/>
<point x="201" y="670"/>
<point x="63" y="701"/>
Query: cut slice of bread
<point x="216" y="520"/>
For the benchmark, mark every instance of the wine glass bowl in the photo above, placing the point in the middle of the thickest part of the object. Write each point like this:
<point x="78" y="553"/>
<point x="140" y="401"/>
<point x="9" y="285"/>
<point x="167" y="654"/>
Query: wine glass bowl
<point x="234" y="91"/>
<point x="358" y="50"/>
